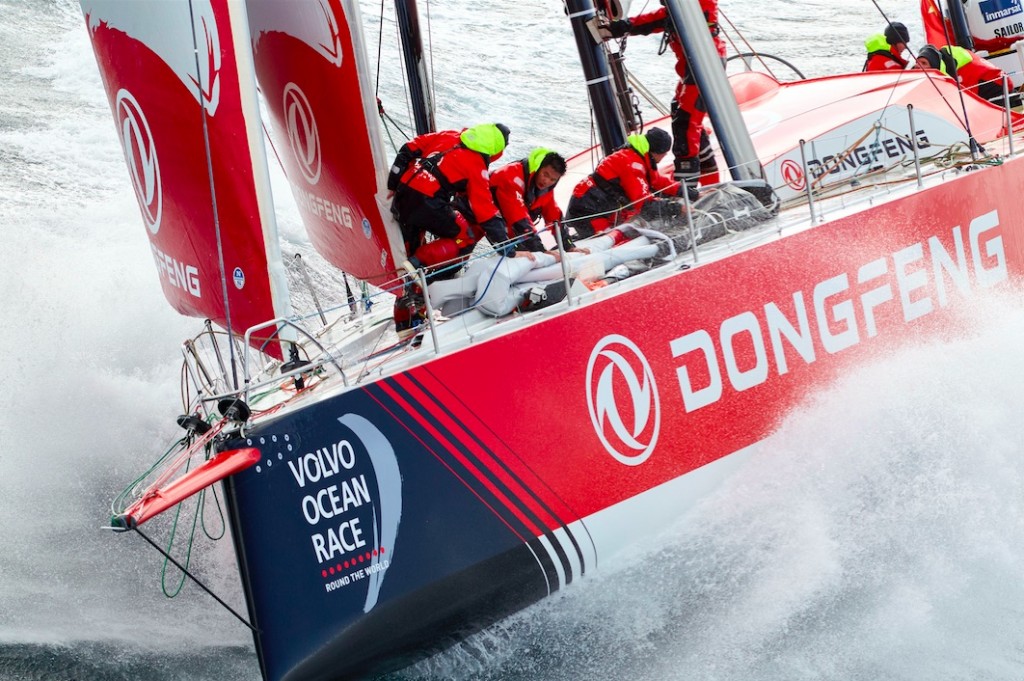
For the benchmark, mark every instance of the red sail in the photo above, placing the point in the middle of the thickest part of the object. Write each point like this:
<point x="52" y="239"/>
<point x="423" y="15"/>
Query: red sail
<point x="192" y="139"/>
<point x="311" y="69"/>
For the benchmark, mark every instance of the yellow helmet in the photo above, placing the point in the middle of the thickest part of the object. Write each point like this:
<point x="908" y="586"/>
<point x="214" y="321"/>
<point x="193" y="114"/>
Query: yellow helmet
<point x="537" y="157"/>
<point x="486" y="138"/>
<point x="640" y="143"/>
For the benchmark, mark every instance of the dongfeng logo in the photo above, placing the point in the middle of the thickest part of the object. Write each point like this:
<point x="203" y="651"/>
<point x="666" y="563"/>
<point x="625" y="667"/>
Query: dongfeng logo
<point x="140" y="153"/>
<point x="302" y="132"/>
<point x="623" y="400"/>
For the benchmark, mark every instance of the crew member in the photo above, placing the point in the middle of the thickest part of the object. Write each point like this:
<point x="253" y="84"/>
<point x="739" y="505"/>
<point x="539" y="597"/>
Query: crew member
<point x="624" y="184"/>
<point x="442" y="187"/>
<point x="524" y="192"/>
<point x="975" y="74"/>
<point x="694" y="158"/>
<point x="885" y="50"/>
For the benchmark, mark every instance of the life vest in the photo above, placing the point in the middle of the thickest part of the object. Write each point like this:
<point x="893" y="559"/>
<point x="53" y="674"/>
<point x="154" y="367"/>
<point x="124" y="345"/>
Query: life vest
<point x="628" y="179"/>
<point x="972" y="69"/>
<point x="451" y="172"/>
<point x="881" y="55"/>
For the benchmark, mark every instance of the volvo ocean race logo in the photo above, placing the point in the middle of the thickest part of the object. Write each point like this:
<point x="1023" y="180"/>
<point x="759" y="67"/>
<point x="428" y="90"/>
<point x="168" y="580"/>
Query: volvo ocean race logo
<point x="623" y="400"/>
<point x="348" y="499"/>
<point x="302" y="132"/>
<point x="140" y="153"/>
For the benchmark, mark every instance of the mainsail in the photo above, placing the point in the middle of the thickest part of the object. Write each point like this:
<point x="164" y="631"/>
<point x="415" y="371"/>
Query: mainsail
<point x="311" y="68"/>
<point x="188" y="120"/>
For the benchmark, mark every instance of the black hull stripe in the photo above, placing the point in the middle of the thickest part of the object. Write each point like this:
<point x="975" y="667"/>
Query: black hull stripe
<point x="494" y="480"/>
<point x="555" y="542"/>
<point x="496" y="505"/>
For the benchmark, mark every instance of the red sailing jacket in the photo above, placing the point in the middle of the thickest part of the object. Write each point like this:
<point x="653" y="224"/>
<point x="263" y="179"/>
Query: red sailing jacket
<point x="657" y="21"/>
<point x="980" y="70"/>
<point x="518" y="198"/>
<point x="448" y="166"/>
<point x="629" y="174"/>
<point x="433" y="142"/>
<point x="885" y="59"/>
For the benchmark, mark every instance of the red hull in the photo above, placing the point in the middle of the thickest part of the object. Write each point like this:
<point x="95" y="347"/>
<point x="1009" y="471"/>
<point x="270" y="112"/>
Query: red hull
<point x="512" y="466"/>
<point x="873" y="275"/>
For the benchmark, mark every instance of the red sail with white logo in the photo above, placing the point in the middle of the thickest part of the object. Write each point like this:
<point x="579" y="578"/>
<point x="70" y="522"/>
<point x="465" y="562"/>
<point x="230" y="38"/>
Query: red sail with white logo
<point x="311" y="68"/>
<point x="189" y="126"/>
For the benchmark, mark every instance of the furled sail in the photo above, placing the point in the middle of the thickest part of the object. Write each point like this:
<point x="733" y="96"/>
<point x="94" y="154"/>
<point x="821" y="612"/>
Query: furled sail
<point x="312" y="71"/>
<point x="179" y="79"/>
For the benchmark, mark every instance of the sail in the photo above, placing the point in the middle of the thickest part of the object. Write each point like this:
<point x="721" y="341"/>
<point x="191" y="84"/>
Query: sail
<point x="311" y="68"/>
<point x="179" y="79"/>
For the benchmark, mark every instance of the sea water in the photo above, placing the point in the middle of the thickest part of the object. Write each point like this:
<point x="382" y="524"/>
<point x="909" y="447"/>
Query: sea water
<point x="879" y="535"/>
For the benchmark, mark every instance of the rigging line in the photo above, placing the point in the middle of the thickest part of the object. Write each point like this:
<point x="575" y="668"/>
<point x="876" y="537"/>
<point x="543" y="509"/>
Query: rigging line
<point x="270" y="141"/>
<point x="965" y="121"/>
<point x="405" y="75"/>
<point x="188" y="554"/>
<point x="380" y="47"/>
<point x="892" y="92"/>
<point x="196" y="580"/>
<point x="430" y="51"/>
<point x="959" y="90"/>
<point x="743" y="38"/>
<point x="376" y="87"/>
<point x="213" y="198"/>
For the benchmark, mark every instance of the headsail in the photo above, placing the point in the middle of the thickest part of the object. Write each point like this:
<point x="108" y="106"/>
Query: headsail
<point x="312" y="71"/>
<point x="190" y="129"/>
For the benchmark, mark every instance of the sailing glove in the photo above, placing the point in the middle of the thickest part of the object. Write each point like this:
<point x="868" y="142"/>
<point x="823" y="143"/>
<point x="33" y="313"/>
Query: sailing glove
<point x="620" y="28"/>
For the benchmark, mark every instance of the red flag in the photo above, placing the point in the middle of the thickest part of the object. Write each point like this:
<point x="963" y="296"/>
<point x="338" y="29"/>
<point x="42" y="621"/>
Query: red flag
<point x="931" y="16"/>
<point x="935" y="33"/>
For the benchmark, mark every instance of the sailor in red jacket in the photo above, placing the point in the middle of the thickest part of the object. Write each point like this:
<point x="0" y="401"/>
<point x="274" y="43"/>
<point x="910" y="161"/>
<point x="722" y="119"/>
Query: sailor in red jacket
<point x="442" y="186"/>
<point x="885" y="50"/>
<point x="624" y="184"/>
<point x="975" y="74"/>
<point x="524" y="192"/>
<point x="694" y="159"/>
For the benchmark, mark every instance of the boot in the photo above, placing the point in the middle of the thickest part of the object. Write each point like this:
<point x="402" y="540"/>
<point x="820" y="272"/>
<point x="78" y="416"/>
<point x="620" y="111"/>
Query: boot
<point x="708" y="167"/>
<point x="687" y="173"/>
<point x="409" y="312"/>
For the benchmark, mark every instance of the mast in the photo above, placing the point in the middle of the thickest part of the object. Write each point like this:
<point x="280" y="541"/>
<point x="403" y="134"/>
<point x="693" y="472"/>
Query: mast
<point x="598" y="76"/>
<point x="415" y="67"/>
<point x="961" y="30"/>
<point x="706" y="66"/>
